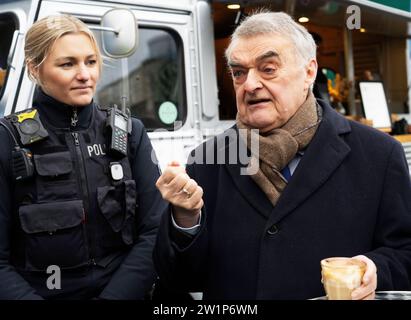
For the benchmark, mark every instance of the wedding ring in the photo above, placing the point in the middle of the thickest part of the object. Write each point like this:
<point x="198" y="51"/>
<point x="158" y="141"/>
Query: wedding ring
<point x="187" y="192"/>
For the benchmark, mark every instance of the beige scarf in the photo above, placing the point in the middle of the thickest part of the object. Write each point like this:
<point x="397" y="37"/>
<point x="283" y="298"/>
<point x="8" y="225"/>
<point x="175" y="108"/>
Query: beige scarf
<point x="279" y="146"/>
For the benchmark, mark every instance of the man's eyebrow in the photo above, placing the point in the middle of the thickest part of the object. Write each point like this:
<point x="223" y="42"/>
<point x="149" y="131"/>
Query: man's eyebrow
<point x="234" y="64"/>
<point x="267" y="55"/>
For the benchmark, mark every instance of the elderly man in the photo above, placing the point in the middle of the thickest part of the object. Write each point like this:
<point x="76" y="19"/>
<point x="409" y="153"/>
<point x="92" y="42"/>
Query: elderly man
<point x="324" y="186"/>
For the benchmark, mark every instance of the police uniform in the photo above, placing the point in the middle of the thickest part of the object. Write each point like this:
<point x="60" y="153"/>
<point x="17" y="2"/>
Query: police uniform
<point x="72" y="214"/>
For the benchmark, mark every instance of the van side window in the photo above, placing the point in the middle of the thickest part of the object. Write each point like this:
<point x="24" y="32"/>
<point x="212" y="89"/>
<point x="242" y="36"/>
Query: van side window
<point x="8" y="25"/>
<point x="152" y="79"/>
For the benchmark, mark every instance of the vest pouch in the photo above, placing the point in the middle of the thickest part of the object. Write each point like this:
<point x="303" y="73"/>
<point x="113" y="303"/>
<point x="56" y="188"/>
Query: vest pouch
<point x="55" y="180"/>
<point x="118" y="204"/>
<point x="54" y="235"/>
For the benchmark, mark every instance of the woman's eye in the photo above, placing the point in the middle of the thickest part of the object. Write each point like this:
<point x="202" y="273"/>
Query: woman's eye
<point x="92" y="62"/>
<point x="66" y="64"/>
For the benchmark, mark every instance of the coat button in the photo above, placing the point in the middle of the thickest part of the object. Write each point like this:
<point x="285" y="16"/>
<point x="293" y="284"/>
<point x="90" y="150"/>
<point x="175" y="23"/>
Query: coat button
<point x="272" y="230"/>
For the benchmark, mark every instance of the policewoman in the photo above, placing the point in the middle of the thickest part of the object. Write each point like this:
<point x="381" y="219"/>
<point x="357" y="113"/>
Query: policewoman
<point x="78" y="211"/>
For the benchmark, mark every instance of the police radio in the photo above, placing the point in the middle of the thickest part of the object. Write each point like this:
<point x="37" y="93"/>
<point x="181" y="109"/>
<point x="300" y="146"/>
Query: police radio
<point x="118" y="127"/>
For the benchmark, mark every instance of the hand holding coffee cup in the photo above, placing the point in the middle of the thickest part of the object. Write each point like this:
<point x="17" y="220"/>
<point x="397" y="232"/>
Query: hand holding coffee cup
<point x="349" y="278"/>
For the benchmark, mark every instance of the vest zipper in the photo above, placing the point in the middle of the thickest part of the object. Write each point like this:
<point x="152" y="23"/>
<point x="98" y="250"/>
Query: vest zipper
<point x="85" y="194"/>
<point x="74" y="118"/>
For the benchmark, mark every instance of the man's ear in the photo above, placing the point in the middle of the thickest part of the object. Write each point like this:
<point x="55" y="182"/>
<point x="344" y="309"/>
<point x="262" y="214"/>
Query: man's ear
<point x="311" y="73"/>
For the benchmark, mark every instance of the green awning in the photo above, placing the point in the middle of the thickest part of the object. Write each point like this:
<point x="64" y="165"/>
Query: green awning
<point x="398" y="4"/>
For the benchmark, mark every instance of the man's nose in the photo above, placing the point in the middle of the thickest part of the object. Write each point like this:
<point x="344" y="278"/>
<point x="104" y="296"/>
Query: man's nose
<point x="83" y="74"/>
<point x="253" y="81"/>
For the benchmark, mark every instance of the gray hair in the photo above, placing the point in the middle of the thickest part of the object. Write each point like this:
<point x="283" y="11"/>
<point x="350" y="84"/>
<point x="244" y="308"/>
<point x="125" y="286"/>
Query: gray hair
<point x="265" y="22"/>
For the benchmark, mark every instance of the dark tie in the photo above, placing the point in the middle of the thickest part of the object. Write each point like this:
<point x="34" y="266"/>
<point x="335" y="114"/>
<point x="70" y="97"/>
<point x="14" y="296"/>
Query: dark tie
<point x="286" y="173"/>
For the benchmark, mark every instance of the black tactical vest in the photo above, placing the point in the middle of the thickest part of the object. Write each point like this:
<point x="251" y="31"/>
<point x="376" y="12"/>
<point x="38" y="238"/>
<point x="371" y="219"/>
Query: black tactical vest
<point x="71" y="213"/>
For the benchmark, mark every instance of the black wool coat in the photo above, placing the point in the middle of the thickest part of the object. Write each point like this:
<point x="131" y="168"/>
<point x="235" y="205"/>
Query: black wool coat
<point x="349" y="195"/>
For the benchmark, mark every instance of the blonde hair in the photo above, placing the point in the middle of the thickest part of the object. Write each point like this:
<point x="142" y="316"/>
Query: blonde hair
<point x="44" y="33"/>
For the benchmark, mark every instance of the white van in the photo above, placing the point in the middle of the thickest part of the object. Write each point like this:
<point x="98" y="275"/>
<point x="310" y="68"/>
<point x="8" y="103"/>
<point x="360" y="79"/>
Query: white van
<point x="173" y="76"/>
<point x="170" y="79"/>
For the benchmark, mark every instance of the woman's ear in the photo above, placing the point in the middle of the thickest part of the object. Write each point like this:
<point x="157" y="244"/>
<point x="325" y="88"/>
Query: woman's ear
<point x="33" y="71"/>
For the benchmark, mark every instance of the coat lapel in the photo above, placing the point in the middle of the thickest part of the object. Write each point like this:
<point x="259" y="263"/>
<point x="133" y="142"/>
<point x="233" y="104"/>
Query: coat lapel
<point x="246" y="186"/>
<point x="323" y="156"/>
<point x="325" y="153"/>
<point x="250" y="191"/>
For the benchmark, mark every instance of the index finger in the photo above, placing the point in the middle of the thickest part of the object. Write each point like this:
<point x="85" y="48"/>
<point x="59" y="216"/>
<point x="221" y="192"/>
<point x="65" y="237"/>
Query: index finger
<point x="174" y="163"/>
<point x="170" y="173"/>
